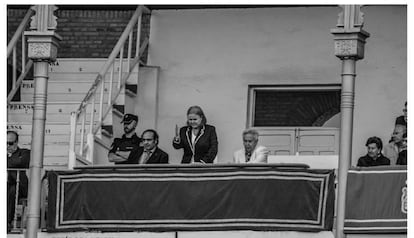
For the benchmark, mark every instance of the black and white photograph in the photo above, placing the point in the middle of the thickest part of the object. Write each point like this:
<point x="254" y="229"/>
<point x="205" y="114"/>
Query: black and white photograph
<point x="207" y="120"/>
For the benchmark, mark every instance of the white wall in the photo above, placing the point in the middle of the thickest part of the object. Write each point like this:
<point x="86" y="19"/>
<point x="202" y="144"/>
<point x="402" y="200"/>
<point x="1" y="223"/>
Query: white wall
<point x="381" y="84"/>
<point x="209" y="57"/>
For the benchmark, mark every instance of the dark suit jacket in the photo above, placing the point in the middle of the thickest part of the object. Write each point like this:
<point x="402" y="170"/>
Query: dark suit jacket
<point x="158" y="157"/>
<point x="205" y="148"/>
<point x="20" y="159"/>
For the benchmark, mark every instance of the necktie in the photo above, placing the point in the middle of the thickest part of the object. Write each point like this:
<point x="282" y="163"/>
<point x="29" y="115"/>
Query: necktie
<point x="145" y="156"/>
<point x="248" y="154"/>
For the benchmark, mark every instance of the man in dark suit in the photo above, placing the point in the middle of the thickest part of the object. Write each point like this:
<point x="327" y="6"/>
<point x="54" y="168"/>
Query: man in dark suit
<point x="149" y="153"/>
<point x="17" y="158"/>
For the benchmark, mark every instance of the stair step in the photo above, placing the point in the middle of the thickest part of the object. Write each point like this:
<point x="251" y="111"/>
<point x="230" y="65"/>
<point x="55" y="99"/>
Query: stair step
<point x="119" y="108"/>
<point x="62" y="97"/>
<point x="56" y="111"/>
<point x="23" y="128"/>
<point x="107" y="130"/>
<point x="132" y="88"/>
<point x="83" y="65"/>
<point x="60" y="86"/>
<point x="65" y="91"/>
<point x="55" y="134"/>
<point x="84" y="76"/>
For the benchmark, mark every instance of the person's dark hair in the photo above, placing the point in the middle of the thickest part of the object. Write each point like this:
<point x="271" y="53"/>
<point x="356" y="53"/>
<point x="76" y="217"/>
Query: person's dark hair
<point x="375" y="140"/>
<point x="405" y="134"/>
<point x="198" y="111"/>
<point x="15" y="133"/>
<point x="154" y="134"/>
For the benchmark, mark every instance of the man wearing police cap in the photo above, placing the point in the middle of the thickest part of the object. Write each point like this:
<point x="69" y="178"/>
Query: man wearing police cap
<point x="122" y="147"/>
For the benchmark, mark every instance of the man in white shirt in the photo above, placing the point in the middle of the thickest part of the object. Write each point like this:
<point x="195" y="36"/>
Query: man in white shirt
<point x="252" y="152"/>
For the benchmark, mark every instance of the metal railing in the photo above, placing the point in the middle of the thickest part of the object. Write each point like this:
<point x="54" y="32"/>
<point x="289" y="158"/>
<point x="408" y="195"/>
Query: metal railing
<point x="12" y="54"/>
<point x="83" y="151"/>
<point x="18" y="223"/>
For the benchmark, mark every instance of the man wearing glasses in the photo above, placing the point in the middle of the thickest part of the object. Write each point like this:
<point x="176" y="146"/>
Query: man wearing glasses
<point x="17" y="158"/>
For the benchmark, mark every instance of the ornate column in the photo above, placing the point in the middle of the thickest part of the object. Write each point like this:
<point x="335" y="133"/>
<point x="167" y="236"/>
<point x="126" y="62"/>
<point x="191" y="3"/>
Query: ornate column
<point x="349" y="47"/>
<point x="42" y="49"/>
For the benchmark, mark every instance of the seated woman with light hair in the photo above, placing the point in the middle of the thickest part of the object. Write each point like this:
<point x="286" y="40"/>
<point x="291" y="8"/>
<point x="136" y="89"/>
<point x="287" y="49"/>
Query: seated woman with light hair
<point x="251" y="152"/>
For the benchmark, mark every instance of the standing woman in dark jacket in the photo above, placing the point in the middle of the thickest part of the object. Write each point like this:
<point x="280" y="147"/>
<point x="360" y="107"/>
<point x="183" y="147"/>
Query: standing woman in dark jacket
<point x="198" y="139"/>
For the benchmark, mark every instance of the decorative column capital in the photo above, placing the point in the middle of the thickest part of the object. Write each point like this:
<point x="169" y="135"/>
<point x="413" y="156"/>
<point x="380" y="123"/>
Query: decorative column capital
<point x="43" y="41"/>
<point x="349" y="37"/>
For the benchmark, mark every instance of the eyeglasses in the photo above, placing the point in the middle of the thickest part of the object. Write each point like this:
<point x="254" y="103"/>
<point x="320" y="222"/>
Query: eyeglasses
<point x="11" y="142"/>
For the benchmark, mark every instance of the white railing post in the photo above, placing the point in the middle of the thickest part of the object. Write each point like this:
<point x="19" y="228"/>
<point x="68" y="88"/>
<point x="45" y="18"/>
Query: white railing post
<point x="16" y="199"/>
<point x="92" y="114"/>
<point x="90" y="140"/>
<point x="14" y="67"/>
<point x="72" y="141"/>
<point x="129" y="50"/>
<point x="23" y="54"/>
<point x="121" y="56"/>
<point x="101" y="102"/>
<point x="111" y="81"/>
<point x="82" y="141"/>
<point x="138" y="36"/>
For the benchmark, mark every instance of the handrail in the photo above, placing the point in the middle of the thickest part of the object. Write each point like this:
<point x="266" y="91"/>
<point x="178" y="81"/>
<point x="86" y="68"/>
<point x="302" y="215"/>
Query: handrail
<point x="19" y="31"/>
<point x="111" y="57"/>
<point x="134" y="63"/>
<point x="19" y="81"/>
<point x="26" y="64"/>
<point x="86" y="147"/>
<point x="15" y="197"/>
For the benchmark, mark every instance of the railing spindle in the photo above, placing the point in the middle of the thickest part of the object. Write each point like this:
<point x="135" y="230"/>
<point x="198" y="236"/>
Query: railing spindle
<point x="138" y="35"/>
<point x="14" y="67"/>
<point x="82" y="131"/>
<point x="121" y="56"/>
<point x="92" y="114"/>
<point x="101" y="99"/>
<point x="129" y="50"/>
<point x="23" y="53"/>
<point x="72" y="142"/>
<point x="111" y="81"/>
<point x="16" y="199"/>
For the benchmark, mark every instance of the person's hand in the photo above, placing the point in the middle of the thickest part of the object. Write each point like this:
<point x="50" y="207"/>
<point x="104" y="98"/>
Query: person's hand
<point x="177" y="134"/>
<point x="123" y="154"/>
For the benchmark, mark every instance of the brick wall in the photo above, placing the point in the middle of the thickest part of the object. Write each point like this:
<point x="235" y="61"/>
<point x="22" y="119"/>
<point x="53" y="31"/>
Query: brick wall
<point x="86" y="33"/>
<point x="295" y="108"/>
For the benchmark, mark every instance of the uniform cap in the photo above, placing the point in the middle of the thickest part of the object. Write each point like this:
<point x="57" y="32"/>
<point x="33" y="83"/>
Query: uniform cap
<point x="128" y="118"/>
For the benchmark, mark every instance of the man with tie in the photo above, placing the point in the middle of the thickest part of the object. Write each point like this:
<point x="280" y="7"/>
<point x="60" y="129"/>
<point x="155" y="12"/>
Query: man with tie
<point x="252" y="152"/>
<point x="149" y="153"/>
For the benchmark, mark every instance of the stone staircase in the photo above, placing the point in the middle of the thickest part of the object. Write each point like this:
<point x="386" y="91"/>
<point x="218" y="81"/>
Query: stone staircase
<point x="69" y="80"/>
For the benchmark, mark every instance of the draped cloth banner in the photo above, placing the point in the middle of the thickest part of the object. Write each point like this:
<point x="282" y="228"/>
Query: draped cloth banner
<point x="376" y="200"/>
<point x="191" y="199"/>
